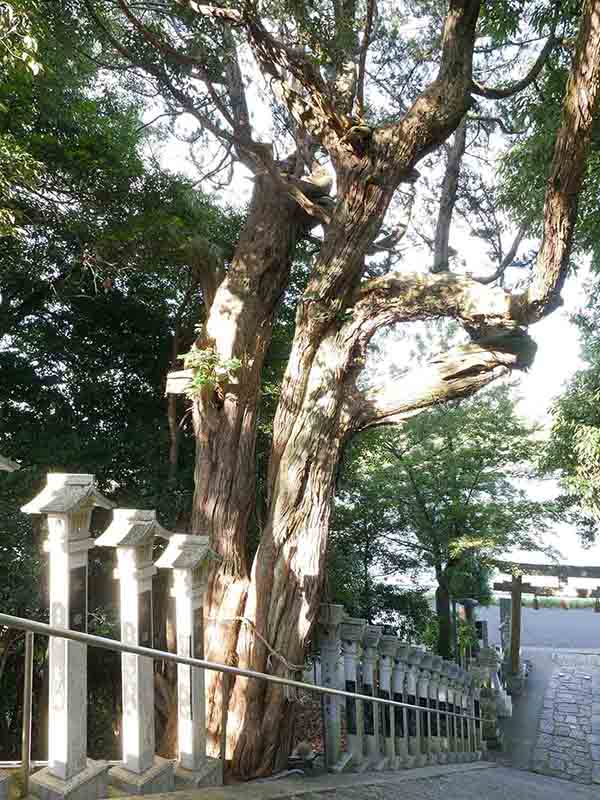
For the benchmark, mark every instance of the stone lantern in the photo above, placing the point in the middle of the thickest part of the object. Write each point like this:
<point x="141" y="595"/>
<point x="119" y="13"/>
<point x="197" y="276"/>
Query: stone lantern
<point x="190" y="557"/>
<point x="132" y="533"/>
<point x="67" y="502"/>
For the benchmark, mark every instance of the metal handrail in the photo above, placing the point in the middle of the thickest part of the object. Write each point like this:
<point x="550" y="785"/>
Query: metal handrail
<point x="111" y="644"/>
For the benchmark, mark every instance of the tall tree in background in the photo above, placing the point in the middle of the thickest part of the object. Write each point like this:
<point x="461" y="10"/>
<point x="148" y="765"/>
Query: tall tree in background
<point x="574" y="446"/>
<point x="325" y="66"/>
<point x="450" y="489"/>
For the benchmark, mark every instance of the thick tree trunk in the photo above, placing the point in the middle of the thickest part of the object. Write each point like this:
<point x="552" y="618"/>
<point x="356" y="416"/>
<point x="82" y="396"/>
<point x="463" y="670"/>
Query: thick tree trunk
<point x="442" y="602"/>
<point x="239" y="325"/>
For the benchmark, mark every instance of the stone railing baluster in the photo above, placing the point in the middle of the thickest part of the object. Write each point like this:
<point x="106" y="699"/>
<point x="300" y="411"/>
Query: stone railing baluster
<point x="399" y="670"/>
<point x="329" y="632"/>
<point x="423" y="701"/>
<point x="415" y="656"/>
<point x="434" y="692"/>
<point x="352" y="632"/>
<point x="190" y="557"/>
<point x="66" y="502"/>
<point x="444" y="729"/>
<point x="387" y="650"/>
<point x="132" y="533"/>
<point x="371" y="711"/>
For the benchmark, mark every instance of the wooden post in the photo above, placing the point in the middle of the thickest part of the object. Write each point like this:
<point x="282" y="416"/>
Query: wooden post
<point x="515" y="628"/>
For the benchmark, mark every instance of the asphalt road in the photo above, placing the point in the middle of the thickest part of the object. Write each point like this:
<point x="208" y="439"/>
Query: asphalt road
<point x="572" y="629"/>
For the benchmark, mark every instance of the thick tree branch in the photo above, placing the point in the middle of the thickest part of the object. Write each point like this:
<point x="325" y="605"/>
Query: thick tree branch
<point x="448" y="199"/>
<point x="568" y="169"/>
<point x="502" y="92"/>
<point x="458" y="373"/>
<point x="438" y="110"/>
<point x="401" y="297"/>
<point x="507" y="260"/>
<point x="362" y="62"/>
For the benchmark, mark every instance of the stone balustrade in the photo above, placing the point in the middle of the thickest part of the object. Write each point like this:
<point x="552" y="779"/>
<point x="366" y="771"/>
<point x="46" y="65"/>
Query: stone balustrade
<point x="360" y="734"/>
<point x="424" y="731"/>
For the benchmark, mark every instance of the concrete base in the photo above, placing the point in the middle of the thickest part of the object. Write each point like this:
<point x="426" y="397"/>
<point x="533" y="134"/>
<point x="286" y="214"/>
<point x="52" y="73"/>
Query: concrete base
<point x="210" y="775"/>
<point x="91" y="784"/>
<point x="159" y="778"/>
<point x="5" y="780"/>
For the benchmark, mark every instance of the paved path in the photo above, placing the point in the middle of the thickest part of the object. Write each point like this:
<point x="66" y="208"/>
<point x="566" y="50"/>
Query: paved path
<point x="521" y="730"/>
<point x="568" y="744"/>
<point x="575" y="629"/>
<point x="481" y="781"/>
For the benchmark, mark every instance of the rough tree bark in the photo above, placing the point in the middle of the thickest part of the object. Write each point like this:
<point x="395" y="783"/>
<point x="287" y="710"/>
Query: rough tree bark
<point x="261" y="616"/>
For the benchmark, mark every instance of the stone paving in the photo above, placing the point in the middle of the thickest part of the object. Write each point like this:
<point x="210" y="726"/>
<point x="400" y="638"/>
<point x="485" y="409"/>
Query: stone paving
<point x="451" y="782"/>
<point x="568" y="743"/>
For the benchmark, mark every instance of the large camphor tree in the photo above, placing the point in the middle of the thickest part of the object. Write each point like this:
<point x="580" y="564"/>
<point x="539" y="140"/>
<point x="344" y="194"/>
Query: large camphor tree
<point x="370" y="126"/>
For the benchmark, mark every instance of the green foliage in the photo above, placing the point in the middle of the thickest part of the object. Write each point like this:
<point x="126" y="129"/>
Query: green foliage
<point x="209" y="370"/>
<point x="18" y="43"/>
<point x="574" y="446"/>
<point x="442" y="494"/>
<point x="467" y="635"/>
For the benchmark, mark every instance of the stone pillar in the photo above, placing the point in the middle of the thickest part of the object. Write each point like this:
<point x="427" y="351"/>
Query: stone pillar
<point x="458" y="721"/>
<point x="371" y="637"/>
<point x="190" y="557"/>
<point x="415" y="655"/>
<point x="434" y="688"/>
<point x="352" y="633"/>
<point x="387" y="651"/>
<point x="452" y="726"/>
<point x="400" y="714"/>
<point x="132" y="532"/>
<point x="67" y="502"/>
<point x="444" y="729"/>
<point x="423" y="681"/>
<point x="329" y="630"/>
<point x="464" y="708"/>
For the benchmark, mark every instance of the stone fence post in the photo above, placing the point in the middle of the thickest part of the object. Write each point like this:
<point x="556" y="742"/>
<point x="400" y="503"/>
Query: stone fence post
<point x="387" y="650"/>
<point x="190" y="557"/>
<point x="352" y="633"/>
<point x="329" y="631"/>
<point x="132" y="533"/>
<point x="67" y="502"/>
<point x="400" y="714"/>
<point x="371" y="711"/>
<point x="415" y="656"/>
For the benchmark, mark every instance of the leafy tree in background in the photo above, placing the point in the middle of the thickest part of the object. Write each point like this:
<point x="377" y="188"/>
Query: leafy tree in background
<point x="99" y="292"/>
<point x="574" y="446"/>
<point x="362" y="556"/>
<point x="445" y="493"/>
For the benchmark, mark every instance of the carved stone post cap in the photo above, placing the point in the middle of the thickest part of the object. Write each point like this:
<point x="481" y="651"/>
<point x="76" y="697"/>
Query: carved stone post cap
<point x="427" y="661"/>
<point x="186" y="551"/>
<point x="371" y="635"/>
<point x="388" y="645"/>
<point x="402" y="650"/>
<point x="331" y="614"/>
<point x="65" y="493"/>
<point x="131" y="527"/>
<point x="415" y="655"/>
<point x="353" y="628"/>
<point x="436" y="663"/>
